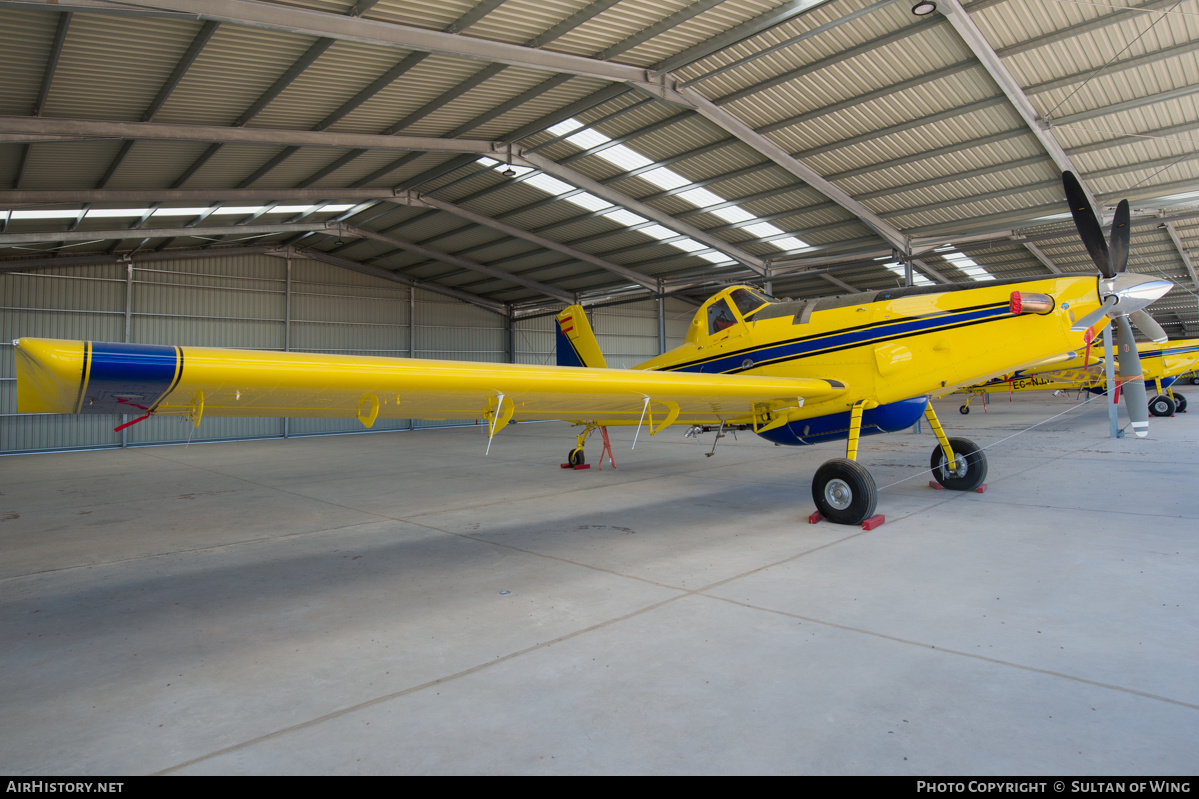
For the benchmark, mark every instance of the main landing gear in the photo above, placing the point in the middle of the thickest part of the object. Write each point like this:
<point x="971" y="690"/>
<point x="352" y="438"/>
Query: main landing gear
<point x="575" y="459"/>
<point x="845" y="493"/>
<point x="1162" y="405"/>
<point x="1167" y="403"/>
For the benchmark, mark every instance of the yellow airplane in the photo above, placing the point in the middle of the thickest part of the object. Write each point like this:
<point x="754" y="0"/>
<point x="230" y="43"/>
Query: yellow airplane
<point x="1163" y="366"/>
<point x="793" y="372"/>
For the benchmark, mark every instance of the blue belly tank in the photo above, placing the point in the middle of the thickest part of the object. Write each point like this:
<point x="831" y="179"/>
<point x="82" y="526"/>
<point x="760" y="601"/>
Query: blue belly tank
<point x="888" y="418"/>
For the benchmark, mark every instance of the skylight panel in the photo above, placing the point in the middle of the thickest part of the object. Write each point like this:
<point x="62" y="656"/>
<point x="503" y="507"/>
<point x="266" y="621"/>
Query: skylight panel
<point x="627" y="159"/>
<point x="733" y="214"/>
<point x="589" y="201"/>
<point x="586" y="139"/>
<point x="548" y="184"/>
<point x="665" y="178"/>
<point x="790" y="243"/>
<point x="917" y="278"/>
<point x="565" y="126"/>
<point x="109" y="213"/>
<point x="180" y="211"/>
<point x="967" y="266"/>
<point x="45" y="214"/>
<point x="658" y="232"/>
<point x="701" y="198"/>
<point x="229" y="210"/>
<point x="762" y="229"/>
<point x="625" y="217"/>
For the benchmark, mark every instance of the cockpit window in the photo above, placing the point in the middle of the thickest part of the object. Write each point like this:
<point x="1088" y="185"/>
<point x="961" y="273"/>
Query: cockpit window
<point x="747" y="300"/>
<point x="720" y="317"/>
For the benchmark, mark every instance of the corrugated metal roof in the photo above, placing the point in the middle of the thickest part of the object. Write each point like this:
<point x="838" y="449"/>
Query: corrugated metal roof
<point x="893" y="109"/>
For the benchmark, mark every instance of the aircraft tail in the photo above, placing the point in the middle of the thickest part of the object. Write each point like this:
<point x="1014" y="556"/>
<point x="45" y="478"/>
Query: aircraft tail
<point x="576" y="342"/>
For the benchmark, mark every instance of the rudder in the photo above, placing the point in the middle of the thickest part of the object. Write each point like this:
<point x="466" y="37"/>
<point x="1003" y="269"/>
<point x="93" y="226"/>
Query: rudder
<point x="576" y="344"/>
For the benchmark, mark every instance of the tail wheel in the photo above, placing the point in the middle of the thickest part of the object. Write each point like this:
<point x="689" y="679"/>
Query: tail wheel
<point x="844" y="492"/>
<point x="1161" y="405"/>
<point x="575" y="458"/>
<point x="965" y="409"/>
<point x="971" y="466"/>
<point x="1180" y="402"/>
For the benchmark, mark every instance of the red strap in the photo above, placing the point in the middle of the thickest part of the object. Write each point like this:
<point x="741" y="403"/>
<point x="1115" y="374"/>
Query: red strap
<point x="121" y="427"/>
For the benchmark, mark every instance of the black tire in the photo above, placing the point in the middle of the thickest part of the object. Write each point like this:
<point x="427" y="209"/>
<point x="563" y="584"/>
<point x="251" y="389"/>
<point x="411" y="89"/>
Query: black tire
<point x="1195" y="381"/>
<point x="575" y="458"/>
<point x="965" y="409"/>
<point x="1161" y="405"/>
<point x="969" y="475"/>
<point x="844" y="492"/>
<point x="1180" y="402"/>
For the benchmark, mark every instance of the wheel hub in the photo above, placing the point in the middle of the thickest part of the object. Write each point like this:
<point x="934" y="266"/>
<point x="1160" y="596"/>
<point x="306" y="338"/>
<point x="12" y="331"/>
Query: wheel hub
<point x="961" y="469"/>
<point x="838" y="494"/>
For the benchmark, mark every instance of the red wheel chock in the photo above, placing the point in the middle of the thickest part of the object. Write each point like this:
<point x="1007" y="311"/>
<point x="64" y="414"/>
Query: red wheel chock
<point x="868" y="524"/>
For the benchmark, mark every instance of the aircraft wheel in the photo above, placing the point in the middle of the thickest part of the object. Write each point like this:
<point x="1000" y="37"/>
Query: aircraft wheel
<point x="965" y="409"/>
<point x="844" y="491"/>
<point x="575" y="458"/>
<point x="1195" y="381"/>
<point x="1161" y="405"/>
<point x="1180" y="402"/>
<point x="971" y="463"/>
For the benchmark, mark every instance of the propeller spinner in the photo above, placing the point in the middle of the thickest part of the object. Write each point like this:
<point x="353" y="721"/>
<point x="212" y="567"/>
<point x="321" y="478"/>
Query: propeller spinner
<point x="1123" y="296"/>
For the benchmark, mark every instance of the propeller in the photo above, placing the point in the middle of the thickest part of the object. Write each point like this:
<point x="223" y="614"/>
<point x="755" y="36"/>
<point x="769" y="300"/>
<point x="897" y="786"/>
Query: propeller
<point x="1123" y="296"/>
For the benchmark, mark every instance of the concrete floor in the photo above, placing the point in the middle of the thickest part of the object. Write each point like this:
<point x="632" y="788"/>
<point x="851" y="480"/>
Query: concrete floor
<point x="400" y="604"/>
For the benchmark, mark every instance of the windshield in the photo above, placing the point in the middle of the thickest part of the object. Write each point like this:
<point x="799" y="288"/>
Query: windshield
<point x="748" y="300"/>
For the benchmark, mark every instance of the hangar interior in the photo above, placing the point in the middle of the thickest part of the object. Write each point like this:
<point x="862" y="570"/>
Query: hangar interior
<point x="437" y="180"/>
<point x="501" y="159"/>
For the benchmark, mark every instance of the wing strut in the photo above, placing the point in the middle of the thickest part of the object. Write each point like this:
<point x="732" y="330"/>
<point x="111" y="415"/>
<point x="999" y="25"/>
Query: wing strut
<point x="499" y="416"/>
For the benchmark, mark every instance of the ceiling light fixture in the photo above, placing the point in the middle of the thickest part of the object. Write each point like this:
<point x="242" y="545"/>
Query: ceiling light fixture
<point x="924" y="8"/>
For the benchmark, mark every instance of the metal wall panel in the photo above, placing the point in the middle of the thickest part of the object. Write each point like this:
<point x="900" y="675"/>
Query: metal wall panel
<point x="346" y="313"/>
<point x="627" y="334"/>
<point x="536" y="341"/>
<point x="448" y="330"/>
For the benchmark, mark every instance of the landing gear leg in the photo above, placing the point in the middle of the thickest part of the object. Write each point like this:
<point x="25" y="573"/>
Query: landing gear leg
<point x="844" y="492"/>
<point x="1180" y="402"/>
<point x="957" y="463"/>
<point x="575" y="457"/>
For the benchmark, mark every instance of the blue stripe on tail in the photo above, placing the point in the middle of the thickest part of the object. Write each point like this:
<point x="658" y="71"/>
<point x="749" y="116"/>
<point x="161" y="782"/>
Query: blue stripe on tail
<point x="567" y="356"/>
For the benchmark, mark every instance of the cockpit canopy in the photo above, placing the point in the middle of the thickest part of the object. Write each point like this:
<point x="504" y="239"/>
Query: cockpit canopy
<point x="727" y="309"/>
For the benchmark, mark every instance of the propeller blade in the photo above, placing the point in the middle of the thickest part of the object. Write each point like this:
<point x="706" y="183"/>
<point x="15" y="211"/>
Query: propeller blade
<point x="1094" y="316"/>
<point x="1121" y="233"/>
<point x="1132" y="378"/>
<point x="1088" y="226"/>
<point x="1149" y="326"/>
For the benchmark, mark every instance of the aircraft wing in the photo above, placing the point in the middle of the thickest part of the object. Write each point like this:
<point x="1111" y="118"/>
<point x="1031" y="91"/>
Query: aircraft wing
<point x="94" y="377"/>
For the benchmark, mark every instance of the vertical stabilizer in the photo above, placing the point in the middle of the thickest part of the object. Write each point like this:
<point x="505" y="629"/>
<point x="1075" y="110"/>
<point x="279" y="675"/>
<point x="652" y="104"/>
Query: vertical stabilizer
<point x="576" y="343"/>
